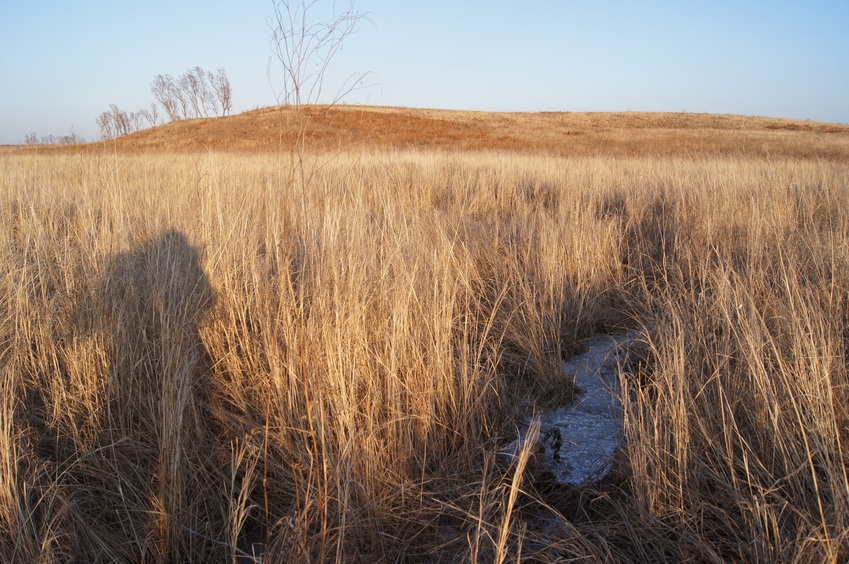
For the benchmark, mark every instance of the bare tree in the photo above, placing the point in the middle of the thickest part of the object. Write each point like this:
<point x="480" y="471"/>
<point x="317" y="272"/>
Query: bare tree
<point x="70" y="139"/>
<point x="305" y="48"/>
<point x="221" y="87"/>
<point x="73" y="137"/>
<point x="165" y="91"/>
<point x="153" y="115"/>
<point x="304" y="44"/>
<point x="189" y="90"/>
<point x="116" y="122"/>
<point x="106" y="124"/>
<point x="150" y="116"/>
<point x="137" y="120"/>
<point x="121" y="120"/>
<point x="184" y="104"/>
<point x="196" y="93"/>
<point x="207" y="99"/>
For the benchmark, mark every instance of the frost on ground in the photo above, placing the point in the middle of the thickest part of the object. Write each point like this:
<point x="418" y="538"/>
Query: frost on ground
<point x="577" y="441"/>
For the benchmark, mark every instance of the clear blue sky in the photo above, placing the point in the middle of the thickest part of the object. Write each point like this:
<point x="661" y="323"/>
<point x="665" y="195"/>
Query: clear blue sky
<point x="62" y="63"/>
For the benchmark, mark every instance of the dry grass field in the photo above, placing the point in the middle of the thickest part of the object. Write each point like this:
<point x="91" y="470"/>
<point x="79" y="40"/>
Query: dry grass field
<point x="207" y="340"/>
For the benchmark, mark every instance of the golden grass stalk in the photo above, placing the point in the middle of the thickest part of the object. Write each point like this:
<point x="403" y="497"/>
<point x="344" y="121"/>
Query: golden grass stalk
<point x="369" y="340"/>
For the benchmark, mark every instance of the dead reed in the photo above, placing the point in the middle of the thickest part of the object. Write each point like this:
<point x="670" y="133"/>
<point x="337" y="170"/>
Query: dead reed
<point x="199" y="352"/>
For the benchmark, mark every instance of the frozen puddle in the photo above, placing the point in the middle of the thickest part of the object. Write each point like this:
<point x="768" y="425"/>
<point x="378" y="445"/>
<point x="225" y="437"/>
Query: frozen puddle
<point x="579" y="439"/>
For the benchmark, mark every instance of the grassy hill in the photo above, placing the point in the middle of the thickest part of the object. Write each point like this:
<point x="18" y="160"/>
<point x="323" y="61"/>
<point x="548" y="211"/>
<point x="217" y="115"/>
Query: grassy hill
<point x="551" y="133"/>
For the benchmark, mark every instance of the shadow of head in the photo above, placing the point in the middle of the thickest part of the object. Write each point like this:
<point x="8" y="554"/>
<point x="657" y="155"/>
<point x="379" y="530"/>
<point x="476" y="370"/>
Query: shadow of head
<point x="153" y="299"/>
<point x="162" y="280"/>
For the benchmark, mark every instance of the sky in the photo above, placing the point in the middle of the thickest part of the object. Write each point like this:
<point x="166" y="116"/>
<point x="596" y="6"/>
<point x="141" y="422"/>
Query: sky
<point x="62" y="63"/>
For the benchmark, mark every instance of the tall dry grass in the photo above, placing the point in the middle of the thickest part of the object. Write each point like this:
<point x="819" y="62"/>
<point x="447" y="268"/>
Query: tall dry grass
<point x="198" y="352"/>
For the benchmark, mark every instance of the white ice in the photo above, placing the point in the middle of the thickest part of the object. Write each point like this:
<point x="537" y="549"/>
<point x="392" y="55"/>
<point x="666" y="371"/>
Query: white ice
<point x="590" y="427"/>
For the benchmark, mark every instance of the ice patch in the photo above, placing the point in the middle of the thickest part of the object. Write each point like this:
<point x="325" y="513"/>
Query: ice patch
<point x="577" y="441"/>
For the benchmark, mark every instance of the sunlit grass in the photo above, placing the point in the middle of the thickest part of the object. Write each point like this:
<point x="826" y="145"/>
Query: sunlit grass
<point x="197" y="349"/>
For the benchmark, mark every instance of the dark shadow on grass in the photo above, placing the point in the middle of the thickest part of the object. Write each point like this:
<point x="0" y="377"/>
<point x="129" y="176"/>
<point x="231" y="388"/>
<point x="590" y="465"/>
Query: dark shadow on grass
<point x="157" y="440"/>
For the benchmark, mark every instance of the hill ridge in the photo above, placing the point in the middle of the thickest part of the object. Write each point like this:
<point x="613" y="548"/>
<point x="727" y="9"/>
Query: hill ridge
<point x="276" y="128"/>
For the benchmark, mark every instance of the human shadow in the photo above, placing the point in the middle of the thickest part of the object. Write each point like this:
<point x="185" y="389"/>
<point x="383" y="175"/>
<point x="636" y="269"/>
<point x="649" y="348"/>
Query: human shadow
<point x="156" y="439"/>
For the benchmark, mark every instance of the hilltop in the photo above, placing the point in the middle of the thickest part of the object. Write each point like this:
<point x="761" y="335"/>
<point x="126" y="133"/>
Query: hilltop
<point x="557" y="133"/>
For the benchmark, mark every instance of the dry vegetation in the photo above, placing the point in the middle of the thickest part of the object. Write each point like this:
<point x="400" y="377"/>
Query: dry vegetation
<point x="625" y="134"/>
<point x="201" y="349"/>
